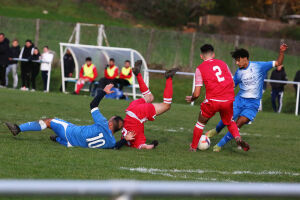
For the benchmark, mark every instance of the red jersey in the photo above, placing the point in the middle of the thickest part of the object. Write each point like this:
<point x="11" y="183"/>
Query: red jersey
<point x="217" y="79"/>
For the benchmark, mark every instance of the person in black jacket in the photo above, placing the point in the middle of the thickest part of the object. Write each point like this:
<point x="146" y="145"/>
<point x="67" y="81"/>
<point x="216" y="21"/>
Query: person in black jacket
<point x="4" y="52"/>
<point x="297" y="79"/>
<point x="35" y="67"/>
<point x="69" y="66"/>
<point x="14" y="52"/>
<point x="26" y="53"/>
<point x="278" y="88"/>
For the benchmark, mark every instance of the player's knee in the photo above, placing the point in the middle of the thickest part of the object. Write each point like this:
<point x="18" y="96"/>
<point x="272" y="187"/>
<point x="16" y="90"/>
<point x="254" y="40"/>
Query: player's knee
<point x="167" y="106"/>
<point x="149" y="98"/>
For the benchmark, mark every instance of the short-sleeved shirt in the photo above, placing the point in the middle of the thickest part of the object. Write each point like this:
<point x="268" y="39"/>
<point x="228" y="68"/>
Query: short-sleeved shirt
<point x="137" y="113"/>
<point x="251" y="79"/>
<point x="97" y="135"/>
<point x="217" y="78"/>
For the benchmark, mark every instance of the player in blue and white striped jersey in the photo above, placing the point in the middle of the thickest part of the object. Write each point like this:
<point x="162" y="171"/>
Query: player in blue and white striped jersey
<point x="250" y="78"/>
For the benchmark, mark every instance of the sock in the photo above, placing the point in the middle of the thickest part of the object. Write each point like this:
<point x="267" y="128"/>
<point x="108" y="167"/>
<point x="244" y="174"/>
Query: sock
<point x="233" y="129"/>
<point x="79" y="86"/>
<point x="168" y="93"/>
<point x="198" y="130"/>
<point x="143" y="87"/>
<point x="225" y="139"/>
<point x="220" y="126"/>
<point x="33" y="126"/>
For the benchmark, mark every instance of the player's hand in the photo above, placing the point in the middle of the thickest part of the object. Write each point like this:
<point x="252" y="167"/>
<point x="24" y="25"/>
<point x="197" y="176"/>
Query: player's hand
<point x="283" y="47"/>
<point x="129" y="136"/>
<point x="188" y="99"/>
<point x="107" y="89"/>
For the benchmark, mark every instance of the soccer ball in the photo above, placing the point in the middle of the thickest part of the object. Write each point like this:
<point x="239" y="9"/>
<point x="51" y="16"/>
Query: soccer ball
<point x="204" y="143"/>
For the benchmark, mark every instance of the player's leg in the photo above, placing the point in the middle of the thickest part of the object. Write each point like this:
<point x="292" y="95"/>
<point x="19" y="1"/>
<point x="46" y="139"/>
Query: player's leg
<point x="198" y="131"/>
<point x="226" y="115"/>
<point x="147" y="95"/>
<point x="29" y="126"/>
<point x="79" y="85"/>
<point x="160" y="108"/>
<point x="236" y="112"/>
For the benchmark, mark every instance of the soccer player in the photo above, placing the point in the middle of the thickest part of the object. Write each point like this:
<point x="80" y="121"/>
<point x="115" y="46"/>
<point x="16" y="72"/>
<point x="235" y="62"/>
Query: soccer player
<point x="250" y="78"/>
<point x="219" y="86"/>
<point x="142" y="110"/>
<point x="98" y="135"/>
<point x="88" y="73"/>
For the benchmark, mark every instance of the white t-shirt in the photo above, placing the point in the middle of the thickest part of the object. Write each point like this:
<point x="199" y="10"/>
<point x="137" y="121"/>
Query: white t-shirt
<point x="46" y="57"/>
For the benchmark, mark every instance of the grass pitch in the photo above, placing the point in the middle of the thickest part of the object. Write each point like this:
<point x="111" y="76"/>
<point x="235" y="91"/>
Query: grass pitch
<point x="274" y="140"/>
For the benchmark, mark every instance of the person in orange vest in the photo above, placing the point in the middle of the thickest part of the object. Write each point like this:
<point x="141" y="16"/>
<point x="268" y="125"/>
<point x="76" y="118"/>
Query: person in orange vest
<point x="111" y="73"/>
<point x="125" y="75"/>
<point x="88" y="73"/>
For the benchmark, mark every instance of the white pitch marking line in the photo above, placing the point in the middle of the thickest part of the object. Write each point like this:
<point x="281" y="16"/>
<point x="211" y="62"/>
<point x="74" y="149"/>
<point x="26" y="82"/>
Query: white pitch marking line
<point x="199" y="171"/>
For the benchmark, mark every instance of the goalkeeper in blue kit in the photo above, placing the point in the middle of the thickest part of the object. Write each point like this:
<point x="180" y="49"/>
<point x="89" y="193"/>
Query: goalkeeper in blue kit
<point x="98" y="135"/>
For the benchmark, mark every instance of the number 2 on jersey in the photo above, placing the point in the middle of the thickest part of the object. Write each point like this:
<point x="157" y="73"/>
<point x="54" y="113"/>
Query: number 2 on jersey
<point x="218" y="73"/>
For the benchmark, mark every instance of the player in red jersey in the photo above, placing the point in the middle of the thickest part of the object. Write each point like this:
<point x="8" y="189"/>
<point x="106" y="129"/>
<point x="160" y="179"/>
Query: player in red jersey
<point x="219" y="86"/>
<point x="142" y="110"/>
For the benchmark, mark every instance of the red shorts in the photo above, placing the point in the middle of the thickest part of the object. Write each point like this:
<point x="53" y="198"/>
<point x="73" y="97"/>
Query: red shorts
<point x="209" y="109"/>
<point x="137" y="113"/>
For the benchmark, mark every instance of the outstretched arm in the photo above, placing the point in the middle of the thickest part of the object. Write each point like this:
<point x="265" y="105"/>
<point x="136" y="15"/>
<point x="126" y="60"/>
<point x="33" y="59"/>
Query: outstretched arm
<point x="279" y="61"/>
<point x="99" y="97"/>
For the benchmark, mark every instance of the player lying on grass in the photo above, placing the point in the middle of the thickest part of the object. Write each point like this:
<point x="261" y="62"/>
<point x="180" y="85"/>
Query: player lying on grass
<point x="250" y="78"/>
<point x="98" y="135"/>
<point x="219" y="86"/>
<point x="142" y="110"/>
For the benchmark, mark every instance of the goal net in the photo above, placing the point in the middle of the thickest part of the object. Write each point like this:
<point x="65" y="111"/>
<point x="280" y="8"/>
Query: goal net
<point x="100" y="57"/>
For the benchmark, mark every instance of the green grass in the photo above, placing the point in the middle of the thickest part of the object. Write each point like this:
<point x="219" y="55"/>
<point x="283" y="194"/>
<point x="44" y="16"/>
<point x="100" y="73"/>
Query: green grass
<point x="274" y="144"/>
<point x="274" y="141"/>
<point x="64" y="10"/>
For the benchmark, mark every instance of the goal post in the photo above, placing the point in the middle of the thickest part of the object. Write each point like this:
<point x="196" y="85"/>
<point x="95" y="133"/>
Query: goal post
<point x="100" y="57"/>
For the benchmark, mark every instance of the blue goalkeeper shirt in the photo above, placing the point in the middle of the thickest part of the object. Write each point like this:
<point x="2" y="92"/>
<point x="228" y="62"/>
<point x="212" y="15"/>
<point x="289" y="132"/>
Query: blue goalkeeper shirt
<point x="251" y="79"/>
<point x="97" y="135"/>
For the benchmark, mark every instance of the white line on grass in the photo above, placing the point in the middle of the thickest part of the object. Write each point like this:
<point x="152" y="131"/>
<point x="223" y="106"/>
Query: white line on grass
<point x="199" y="171"/>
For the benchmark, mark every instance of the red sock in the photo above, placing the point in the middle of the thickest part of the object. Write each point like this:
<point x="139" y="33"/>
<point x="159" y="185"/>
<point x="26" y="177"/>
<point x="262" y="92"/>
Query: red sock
<point x="198" y="130"/>
<point x="78" y="87"/>
<point x="168" y="93"/>
<point x="233" y="129"/>
<point x="143" y="87"/>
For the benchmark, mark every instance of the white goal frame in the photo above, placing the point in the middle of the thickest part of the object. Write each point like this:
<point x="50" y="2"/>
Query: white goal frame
<point x="63" y="48"/>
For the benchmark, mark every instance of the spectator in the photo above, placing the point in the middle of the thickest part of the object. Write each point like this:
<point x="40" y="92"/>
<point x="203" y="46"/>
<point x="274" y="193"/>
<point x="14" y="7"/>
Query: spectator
<point x="297" y="79"/>
<point x="278" y="88"/>
<point x="35" y="67"/>
<point x="88" y="73"/>
<point x="69" y="66"/>
<point x="26" y="53"/>
<point x="14" y="52"/>
<point x="125" y="75"/>
<point x="4" y="53"/>
<point x="111" y="72"/>
<point x="46" y="58"/>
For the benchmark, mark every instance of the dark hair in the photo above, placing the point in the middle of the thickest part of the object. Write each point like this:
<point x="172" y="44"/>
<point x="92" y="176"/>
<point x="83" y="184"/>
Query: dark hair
<point x="111" y="59"/>
<point x="127" y="61"/>
<point x="207" y="48"/>
<point x="88" y="59"/>
<point x="240" y="53"/>
<point x="2" y="34"/>
<point x="116" y="123"/>
<point x="46" y="47"/>
<point x="28" y="41"/>
<point x="15" y="40"/>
